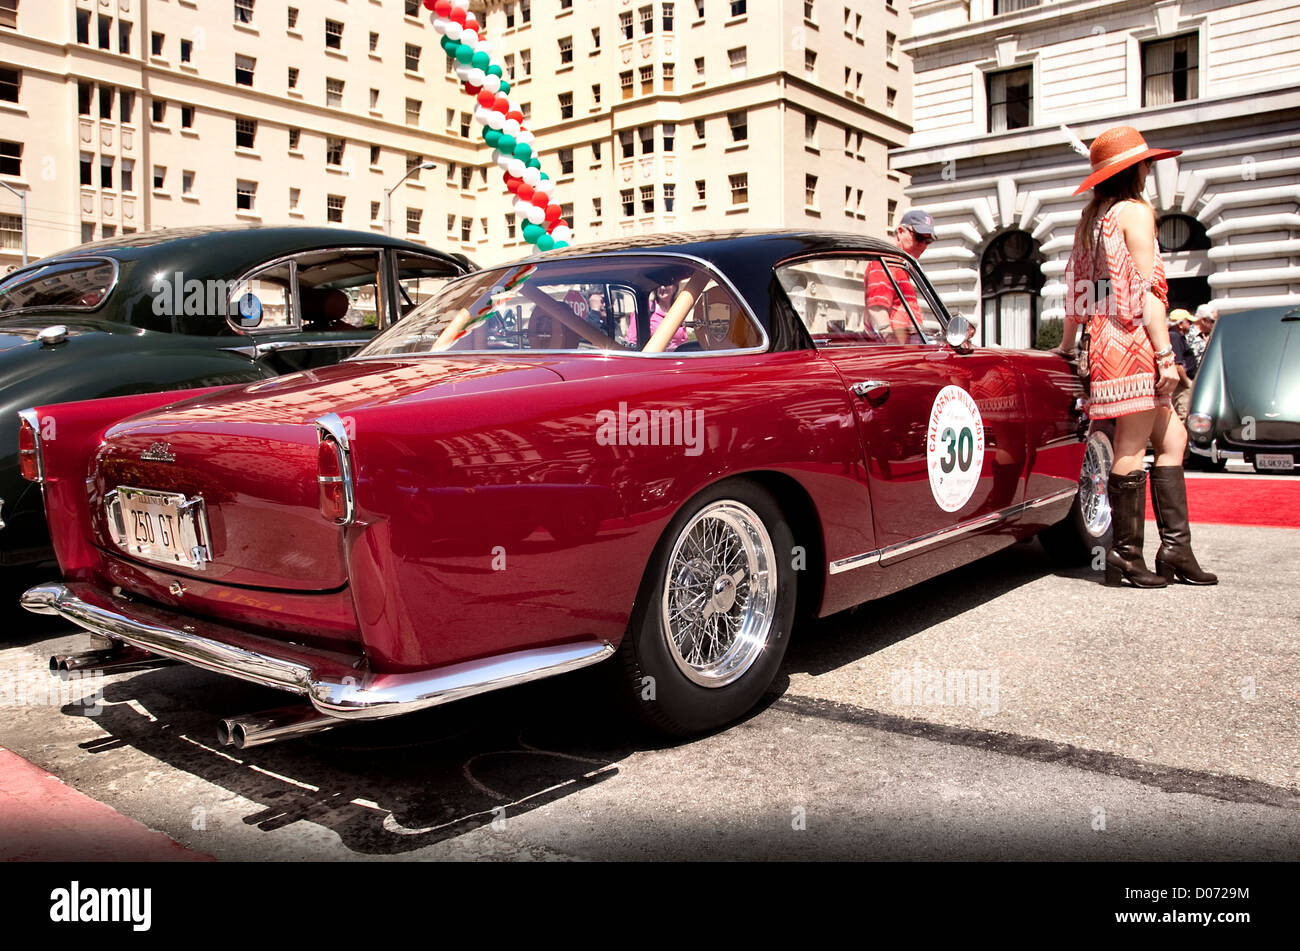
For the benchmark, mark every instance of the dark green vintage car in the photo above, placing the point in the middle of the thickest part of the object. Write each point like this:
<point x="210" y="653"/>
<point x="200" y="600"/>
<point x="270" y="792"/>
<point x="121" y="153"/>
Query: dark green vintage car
<point x="184" y="308"/>
<point x="1246" y="404"/>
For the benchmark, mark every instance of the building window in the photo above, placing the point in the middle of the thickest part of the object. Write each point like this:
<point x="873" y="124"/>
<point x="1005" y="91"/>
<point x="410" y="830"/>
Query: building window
<point x="808" y="11"/>
<point x="739" y="124"/>
<point x="413" y="58"/>
<point x="105" y="25"/>
<point x="511" y="227"/>
<point x="595" y="39"/>
<point x="668" y="73"/>
<point x="466" y="124"/>
<point x="243" y="11"/>
<point x="156" y="43"/>
<point x="87" y="232"/>
<point x="1010" y="278"/>
<point x="891" y="49"/>
<point x="375" y="153"/>
<point x="413" y="216"/>
<point x="11" y="159"/>
<point x="107" y="95"/>
<point x="625" y="140"/>
<point x="647" y="199"/>
<point x="739" y="188"/>
<point x="83" y="27"/>
<point x="647" y="17"/>
<point x="810" y="131"/>
<point x="466" y="229"/>
<point x="333" y="35"/>
<point x="595" y="208"/>
<point x="627" y="198"/>
<point x="293" y="17"/>
<point x="566" y="161"/>
<point x="647" y="76"/>
<point x="737" y="58"/>
<point x="670" y="135"/>
<point x="159" y="174"/>
<point x="10" y="84"/>
<point x="158" y="110"/>
<point x="466" y="176"/>
<point x="413" y="163"/>
<point x="526" y="110"/>
<point x="737" y="8"/>
<point x="624" y="24"/>
<point x="891" y="97"/>
<point x="334" y="93"/>
<point x="699" y="68"/>
<point x="374" y="41"/>
<point x="294" y="136"/>
<point x="810" y="63"/>
<point x="374" y="211"/>
<point x="625" y="82"/>
<point x="647" y="133"/>
<point x="526" y="62"/>
<point x="699" y="130"/>
<point x="187" y="117"/>
<point x="891" y="211"/>
<point x="1182" y="233"/>
<point x="106" y="171"/>
<point x="245" y="195"/>
<point x="187" y="52"/>
<point x="1169" y="70"/>
<point x="334" y="151"/>
<point x="667" y="16"/>
<point x="244" y="66"/>
<point x="245" y="133"/>
<point x="11" y="226"/>
<point x="412" y="8"/>
<point x="334" y="209"/>
<point x="566" y="105"/>
<point x="670" y="196"/>
<point x="510" y="66"/>
<point x="87" y="169"/>
<point x="566" y="50"/>
<point x="123" y="37"/>
<point x="295" y="195"/>
<point x="595" y="94"/>
<point x="1010" y="99"/>
<point x="1010" y="6"/>
<point x="525" y="11"/>
<point x="595" y="151"/>
<point x="187" y="183"/>
<point x="700" y="190"/>
<point x="293" y="77"/>
<point x="810" y="191"/>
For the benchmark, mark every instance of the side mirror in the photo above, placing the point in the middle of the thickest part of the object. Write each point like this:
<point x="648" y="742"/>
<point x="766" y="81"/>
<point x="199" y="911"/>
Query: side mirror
<point x="958" y="333"/>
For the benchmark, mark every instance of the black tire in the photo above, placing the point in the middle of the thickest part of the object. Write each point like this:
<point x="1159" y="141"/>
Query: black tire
<point x="1075" y="539"/>
<point x="652" y="683"/>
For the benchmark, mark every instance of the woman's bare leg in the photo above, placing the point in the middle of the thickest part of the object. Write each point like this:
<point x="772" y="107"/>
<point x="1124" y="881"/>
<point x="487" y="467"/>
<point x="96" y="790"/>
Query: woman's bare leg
<point x="1169" y="437"/>
<point x="1132" y="432"/>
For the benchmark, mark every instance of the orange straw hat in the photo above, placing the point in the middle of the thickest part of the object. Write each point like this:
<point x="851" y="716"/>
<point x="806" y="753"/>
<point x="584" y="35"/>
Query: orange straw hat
<point x="1117" y="149"/>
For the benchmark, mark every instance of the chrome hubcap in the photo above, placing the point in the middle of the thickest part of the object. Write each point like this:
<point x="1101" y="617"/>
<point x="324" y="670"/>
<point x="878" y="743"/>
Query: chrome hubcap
<point x="719" y="594"/>
<point x="1093" y="498"/>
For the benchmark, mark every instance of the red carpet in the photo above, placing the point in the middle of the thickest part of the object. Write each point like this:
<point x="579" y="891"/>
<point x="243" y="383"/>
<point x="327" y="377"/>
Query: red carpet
<point x="1244" y="501"/>
<point x="42" y="819"/>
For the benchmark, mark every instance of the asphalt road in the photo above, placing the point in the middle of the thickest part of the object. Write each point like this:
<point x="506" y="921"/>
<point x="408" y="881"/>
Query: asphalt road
<point x="1051" y="731"/>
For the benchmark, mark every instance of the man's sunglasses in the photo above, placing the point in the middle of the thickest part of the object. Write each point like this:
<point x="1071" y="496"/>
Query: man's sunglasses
<point x="923" y="238"/>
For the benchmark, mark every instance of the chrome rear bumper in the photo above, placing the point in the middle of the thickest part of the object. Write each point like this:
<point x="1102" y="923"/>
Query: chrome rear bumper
<point x="337" y="685"/>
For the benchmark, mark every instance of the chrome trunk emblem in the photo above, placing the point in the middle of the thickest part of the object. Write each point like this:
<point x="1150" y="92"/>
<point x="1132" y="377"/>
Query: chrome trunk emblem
<point x="158" y="452"/>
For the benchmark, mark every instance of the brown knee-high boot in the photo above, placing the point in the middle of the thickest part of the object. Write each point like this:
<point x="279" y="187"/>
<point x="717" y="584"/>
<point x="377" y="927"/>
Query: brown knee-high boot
<point x="1169" y="499"/>
<point x="1127" y="507"/>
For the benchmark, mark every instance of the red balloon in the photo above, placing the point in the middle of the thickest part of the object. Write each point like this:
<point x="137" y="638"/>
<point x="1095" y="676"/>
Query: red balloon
<point x="516" y="115"/>
<point x="525" y="192"/>
<point x="486" y="98"/>
<point x="514" y="184"/>
<point x="553" y="213"/>
<point x="472" y="90"/>
<point x="471" y="23"/>
<point x="440" y="7"/>
<point x="501" y="104"/>
<point x="457" y="15"/>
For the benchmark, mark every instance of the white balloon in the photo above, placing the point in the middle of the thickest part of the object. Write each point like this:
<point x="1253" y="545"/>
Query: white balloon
<point x="546" y="186"/>
<point x="496" y="120"/>
<point x="476" y="76"/>
<point x="503" y="161"/>
<point x="536" y="215"/>
<point x="494" y="155"/>
<point x="562" y="233"/>
<point x="460" y="4"/>
<point x="492" y="82"/>
<point x="461" y="71"/>
<point x="511" y="127"/>
<point x="515" y="203"/>
<point x="454" y="30"/>
<point x="525" y="136"/>
<point x="532" y="175"/>
<point x="439" y="23"/>
<point x="481" y="46"/>
<point x="481" y="115"/>
<point x="469" y="36"/>
<point x="516" y="167"/>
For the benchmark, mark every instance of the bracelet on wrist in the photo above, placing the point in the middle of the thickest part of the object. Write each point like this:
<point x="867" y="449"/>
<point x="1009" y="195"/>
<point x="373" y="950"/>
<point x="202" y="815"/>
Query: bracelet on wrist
<point x="1166" y="352"/>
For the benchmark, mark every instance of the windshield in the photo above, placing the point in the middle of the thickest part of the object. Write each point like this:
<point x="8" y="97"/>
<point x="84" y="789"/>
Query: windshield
<point x="619" y="303"/>
<point x="67" y="285"/>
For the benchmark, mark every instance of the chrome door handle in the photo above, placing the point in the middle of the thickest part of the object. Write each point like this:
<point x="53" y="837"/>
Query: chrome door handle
<point x="877" y="391"/>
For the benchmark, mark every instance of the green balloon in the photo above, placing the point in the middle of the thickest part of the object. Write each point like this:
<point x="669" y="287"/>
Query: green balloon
<point x="505" y="88"/>
<point x="506" y="143"/>
<point x="492" y="136"/>
<point x="560" y="244"/>
<point x="480" y="60"/>
<point x="523" y="151"/>
<point x="449" y="45"/>
<point x="546" y="242"/>
<point x="494" y="69"/>
<point x="534" y="162"/>
<point x="464" y="53"/>
<point x="531" y="232"/>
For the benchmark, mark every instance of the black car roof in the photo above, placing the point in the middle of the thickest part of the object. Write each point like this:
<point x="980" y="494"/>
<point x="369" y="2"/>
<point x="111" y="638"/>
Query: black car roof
<point x="722" y="247"/>
<point x="226" y="252"/>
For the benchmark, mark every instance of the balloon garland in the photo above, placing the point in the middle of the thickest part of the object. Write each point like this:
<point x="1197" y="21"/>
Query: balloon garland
<point x="503" y="124"/>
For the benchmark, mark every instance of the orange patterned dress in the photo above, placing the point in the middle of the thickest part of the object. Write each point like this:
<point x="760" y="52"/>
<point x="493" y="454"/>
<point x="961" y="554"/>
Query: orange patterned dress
<point x="1107" y="289"/>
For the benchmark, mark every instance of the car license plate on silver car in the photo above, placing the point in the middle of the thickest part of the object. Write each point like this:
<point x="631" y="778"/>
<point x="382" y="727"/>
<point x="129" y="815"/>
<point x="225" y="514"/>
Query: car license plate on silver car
<point x="164" y="527"/>
<point x="1274" y="460"/>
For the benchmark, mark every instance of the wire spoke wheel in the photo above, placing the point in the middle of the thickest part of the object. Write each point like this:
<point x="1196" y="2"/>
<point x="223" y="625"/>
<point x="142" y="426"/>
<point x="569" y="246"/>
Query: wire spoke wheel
<point x="719" y="594"/>
<point x="1094" y="502"/>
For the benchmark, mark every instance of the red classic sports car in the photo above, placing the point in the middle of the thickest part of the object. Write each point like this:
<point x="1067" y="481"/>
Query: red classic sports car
<point x="652" y="453"/>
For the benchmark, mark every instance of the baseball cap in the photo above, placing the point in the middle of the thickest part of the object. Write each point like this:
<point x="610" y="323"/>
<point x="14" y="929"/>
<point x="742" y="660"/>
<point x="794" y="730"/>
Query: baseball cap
<point x="1178" y="315"/>
<point x="919" y="221"/>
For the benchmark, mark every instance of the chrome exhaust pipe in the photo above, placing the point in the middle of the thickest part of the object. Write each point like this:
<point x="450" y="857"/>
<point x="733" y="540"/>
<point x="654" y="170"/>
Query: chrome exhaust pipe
<point x="271" y="726"/>
<point x="113" y="660"/>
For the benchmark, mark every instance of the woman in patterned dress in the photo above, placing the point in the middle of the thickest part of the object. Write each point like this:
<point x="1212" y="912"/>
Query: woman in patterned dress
<point x="1115" y="284"/>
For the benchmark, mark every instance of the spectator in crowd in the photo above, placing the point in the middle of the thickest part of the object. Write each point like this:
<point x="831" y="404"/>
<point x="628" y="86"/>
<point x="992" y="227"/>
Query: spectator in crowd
<point x="1205" y="319"/>
<point x="885" y="310"/>
<point x="1184" y="362"/>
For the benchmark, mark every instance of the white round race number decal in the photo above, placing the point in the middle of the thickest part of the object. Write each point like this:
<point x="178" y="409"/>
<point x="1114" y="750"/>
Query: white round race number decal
<point x="954" y="447"/>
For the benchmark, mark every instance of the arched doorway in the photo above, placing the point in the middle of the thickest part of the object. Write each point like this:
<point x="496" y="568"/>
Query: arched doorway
<point x="1183" y="242"/>
<point x="1011" y="276"/>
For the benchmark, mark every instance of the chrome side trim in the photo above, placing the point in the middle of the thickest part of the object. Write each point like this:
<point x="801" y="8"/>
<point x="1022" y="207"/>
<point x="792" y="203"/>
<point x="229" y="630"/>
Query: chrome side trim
<point x="884" y="556"/>
<point x="357" y="695"/>
<point x="331" y="426"/>
<point x="30" y="418"/>
<point x="275" y="345"/>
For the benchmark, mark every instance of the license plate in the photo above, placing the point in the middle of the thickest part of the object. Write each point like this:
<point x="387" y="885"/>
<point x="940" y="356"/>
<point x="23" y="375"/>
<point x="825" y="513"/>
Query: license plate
<point x="1275" y="460"/>
<point x="164" y="527"/>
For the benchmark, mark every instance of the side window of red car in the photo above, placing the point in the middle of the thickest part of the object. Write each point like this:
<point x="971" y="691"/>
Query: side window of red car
<point x="859" y="300"/>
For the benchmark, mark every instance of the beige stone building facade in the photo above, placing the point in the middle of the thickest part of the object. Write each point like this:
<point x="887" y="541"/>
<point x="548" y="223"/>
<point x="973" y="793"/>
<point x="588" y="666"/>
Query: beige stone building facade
<point x="130" y="115"/>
